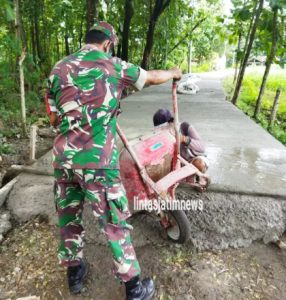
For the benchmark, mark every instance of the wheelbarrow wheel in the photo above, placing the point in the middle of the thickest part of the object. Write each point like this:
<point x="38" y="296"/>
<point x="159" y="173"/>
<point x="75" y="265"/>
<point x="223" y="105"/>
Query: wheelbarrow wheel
<point x="179" y="229"/>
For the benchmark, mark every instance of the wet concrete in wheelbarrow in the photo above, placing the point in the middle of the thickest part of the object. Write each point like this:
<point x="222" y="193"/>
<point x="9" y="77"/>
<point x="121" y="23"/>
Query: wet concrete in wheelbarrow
<point x="245" y="203"/>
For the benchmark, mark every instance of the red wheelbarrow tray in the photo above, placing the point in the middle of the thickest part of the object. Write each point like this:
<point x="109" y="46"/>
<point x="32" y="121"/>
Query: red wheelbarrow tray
<point x="150" y="174"/>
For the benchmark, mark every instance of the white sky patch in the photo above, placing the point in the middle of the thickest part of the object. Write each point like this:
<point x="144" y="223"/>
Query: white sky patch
<point x="227" y="6"/>
<point x="103" y="6"/>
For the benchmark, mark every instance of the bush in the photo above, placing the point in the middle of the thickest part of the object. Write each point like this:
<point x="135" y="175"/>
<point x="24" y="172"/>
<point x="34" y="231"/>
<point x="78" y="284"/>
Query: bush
<point x="204" y="67"/>
<point x="6" y="149"/>
<point x="10" y="109"/>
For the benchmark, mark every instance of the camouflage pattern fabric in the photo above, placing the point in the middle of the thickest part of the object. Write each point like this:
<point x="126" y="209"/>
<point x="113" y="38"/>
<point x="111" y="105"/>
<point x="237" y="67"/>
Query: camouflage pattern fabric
<point x="85" y="89"/>
<point x="107" y="29"/>
<point x="104" y="191"/>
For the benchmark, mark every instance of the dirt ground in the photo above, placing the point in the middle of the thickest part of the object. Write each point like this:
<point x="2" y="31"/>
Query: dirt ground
<point x="20" y="153"/>
<point x="29" y="266"/>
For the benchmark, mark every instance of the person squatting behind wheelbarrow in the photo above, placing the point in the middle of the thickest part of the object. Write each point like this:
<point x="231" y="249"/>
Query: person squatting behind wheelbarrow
<point x="83" y="96"/>
<point x="192" y="147"/>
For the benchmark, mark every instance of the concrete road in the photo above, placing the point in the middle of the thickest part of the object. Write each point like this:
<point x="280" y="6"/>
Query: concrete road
<point x="244" y="158"/>
<point x="247" y="166"/>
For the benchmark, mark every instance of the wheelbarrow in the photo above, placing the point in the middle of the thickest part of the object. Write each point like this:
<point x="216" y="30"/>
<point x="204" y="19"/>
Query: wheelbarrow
<point x="151" y="169"/>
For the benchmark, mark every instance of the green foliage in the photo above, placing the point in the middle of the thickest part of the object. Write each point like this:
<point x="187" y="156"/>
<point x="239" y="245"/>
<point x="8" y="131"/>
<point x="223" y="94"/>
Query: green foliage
<point x="278" y="4"/>
<point x="6" y="148"/>
<point x="7" y="10"/>
<point x="244" y="13"/>
<point x="52" y="29"/>
<point x="279" y="132"/>
<point x="249" y="93"/>
<point x="203" y="67"/>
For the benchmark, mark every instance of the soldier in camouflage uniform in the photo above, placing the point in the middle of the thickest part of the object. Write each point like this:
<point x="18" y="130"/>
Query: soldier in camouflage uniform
<point x="82" y="101"/>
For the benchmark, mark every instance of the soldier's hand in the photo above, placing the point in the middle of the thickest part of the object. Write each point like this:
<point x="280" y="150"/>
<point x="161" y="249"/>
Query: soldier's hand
<point x="177" y="73"/>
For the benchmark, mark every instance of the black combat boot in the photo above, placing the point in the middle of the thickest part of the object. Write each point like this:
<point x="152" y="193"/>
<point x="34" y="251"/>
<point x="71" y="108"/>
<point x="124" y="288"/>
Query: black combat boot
<point x="139" y="290"/>
<point x="76" y="276"/>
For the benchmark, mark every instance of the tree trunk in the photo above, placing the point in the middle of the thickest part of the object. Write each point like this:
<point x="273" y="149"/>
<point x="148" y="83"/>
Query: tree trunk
<point x="269" y="61"/>
<point x="236" y="57"/>
<point x="129" y="11"/>
<point x="248" y="32"/>
<point x="274" y="108"/>
<point x="17" y="20"/>
<point x="37" y="36"/>
<point x="247" y="52"/>
<point x="149" y="44"/>
<point x="119" y="48"/>
<point x="22" y="89"/>
<point x="46" y="41"/>
<point x="20" y="34"/>
<point x="247" y="38"/>
<point x="67" y="48"/>
<point x="91" y="13"/>
<point x="33" y="43"/>
<point x="81" y="31"/>
<point x="159" y="7"/>
<point x="20" y="62"/>
<point x="188" y="35"/>
<point x="57" y="46"/>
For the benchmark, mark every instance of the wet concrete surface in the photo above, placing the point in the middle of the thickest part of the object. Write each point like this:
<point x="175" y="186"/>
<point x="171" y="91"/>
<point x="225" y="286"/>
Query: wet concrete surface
<point x="243" y="157"/>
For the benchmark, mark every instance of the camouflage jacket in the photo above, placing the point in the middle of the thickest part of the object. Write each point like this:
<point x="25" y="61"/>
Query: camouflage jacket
<point x="84" y="89"/>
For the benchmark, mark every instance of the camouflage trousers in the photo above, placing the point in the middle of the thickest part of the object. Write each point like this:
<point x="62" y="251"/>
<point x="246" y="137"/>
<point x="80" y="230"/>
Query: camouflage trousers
<point x="104" y="191"/>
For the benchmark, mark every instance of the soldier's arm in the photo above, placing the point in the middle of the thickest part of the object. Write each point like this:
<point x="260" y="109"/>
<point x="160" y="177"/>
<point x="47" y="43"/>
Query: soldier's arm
<point x="161" y="76"/>
<point x="51" y="106"/>
<point x="138" y="77"/>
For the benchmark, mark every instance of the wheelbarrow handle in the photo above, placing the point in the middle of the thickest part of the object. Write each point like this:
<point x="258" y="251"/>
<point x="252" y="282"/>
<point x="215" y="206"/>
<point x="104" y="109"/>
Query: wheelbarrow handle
<point x="176" y="124"/>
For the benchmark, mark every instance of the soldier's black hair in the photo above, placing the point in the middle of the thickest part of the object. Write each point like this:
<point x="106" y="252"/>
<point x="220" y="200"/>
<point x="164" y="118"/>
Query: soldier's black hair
<point x="95" y="37"/>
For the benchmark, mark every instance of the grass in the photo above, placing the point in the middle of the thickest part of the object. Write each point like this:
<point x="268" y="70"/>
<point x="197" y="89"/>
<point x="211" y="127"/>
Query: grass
<point x="6" y="148"/>
<point x="249" y="92"/>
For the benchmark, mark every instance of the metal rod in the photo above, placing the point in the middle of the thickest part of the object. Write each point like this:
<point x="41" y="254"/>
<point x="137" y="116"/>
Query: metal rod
<point x="176" y="125"/>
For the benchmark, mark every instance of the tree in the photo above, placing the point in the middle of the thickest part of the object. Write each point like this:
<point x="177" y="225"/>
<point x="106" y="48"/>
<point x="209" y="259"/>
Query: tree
<point x="243" y="21"/>
<point x="91" y="13"/>
<point x="270" y="56"/>
<point x="129" y="12"/>
<point x="253" y="28"/>
<point x="159" y="7"/>
<point x="237" y="56"/>
<point x="187" y="35"/>
<point x="204" y="24"/>
<point x="37" y="30"/>
<point x="19" y="36"/>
